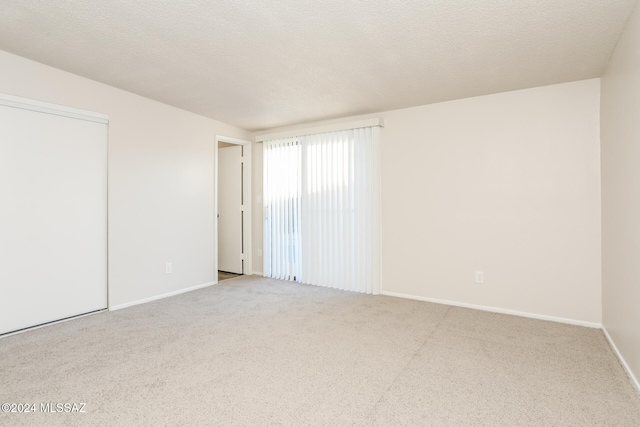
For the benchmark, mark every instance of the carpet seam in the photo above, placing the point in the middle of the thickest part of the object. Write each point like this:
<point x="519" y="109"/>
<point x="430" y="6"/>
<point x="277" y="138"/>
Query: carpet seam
<point x="406" y="366"/>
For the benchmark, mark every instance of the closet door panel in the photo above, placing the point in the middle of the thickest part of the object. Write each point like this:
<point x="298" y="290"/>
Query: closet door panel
<point x="53" y="217"/>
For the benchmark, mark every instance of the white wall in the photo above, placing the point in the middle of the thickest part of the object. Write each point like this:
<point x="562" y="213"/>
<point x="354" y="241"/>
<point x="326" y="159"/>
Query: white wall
<point x="160" y="179"/>
<point x="620" y="109"/>
<point x="508" y="184"/>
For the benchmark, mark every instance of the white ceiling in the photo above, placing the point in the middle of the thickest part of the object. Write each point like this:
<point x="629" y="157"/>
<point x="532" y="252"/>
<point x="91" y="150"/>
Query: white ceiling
<point x="263" y="64"/>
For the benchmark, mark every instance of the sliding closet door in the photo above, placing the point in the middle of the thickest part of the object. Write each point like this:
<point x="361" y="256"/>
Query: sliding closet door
<point x="53" y="216"/>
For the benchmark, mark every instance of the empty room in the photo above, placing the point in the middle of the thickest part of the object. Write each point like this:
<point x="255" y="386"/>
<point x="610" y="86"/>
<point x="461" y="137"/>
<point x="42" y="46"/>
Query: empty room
<point x="322" y="213"/>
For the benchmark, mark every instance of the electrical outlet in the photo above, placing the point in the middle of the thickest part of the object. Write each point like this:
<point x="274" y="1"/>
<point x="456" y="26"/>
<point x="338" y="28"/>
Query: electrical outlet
<point x="259" y="252"/>
<point x="168" y="268"/>
<point x="479" y="276"/>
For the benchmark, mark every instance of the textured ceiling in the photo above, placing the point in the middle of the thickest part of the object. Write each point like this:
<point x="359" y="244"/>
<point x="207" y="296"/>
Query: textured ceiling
<point x="263" y="64"/>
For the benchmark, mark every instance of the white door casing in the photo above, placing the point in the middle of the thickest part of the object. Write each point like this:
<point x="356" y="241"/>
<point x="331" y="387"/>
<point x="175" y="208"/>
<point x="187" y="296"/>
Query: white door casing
<point x="230" y="209"/>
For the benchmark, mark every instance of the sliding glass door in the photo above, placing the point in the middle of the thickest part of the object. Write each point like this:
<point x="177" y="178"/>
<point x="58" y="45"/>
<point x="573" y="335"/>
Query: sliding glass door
<point x="322" y="209"/>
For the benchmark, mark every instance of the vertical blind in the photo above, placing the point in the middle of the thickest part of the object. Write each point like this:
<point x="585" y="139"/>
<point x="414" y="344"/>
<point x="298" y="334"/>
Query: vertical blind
<point x="322" y="209"/>
<point x="282" y="194"/>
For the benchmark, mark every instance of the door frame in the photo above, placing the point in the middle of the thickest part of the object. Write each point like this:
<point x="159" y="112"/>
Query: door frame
<point x="247" y="234"/>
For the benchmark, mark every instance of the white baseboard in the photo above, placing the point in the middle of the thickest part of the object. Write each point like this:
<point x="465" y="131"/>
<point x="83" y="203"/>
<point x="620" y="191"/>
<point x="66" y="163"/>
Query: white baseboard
<point x="497" y="310"/>
<point x="623" y="362"/>
<point x="157" y="297"/>
<point x="258" y="273"/>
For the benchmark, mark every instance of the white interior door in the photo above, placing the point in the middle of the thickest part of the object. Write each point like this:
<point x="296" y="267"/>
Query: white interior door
<point x="53" y="217"/>
<point x="230" y="209"/>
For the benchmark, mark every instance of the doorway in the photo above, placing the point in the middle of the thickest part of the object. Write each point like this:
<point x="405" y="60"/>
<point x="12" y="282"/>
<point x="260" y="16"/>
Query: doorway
<point x="233" y="207"/>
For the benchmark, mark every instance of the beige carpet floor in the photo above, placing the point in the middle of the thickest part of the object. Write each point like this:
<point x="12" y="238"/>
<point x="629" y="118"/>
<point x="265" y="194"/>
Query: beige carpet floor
<point x="253" y="351"/>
